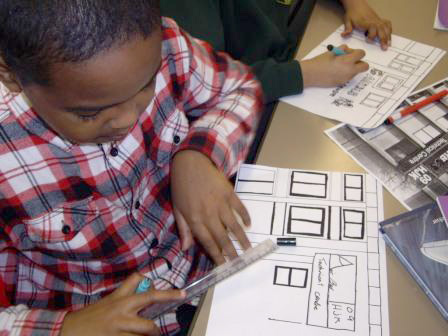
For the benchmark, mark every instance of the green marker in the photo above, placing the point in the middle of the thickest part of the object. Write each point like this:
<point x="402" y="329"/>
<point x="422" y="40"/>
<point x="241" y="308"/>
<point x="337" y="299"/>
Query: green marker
<point x="335" y="50"/>
<point x="143" y="286"/>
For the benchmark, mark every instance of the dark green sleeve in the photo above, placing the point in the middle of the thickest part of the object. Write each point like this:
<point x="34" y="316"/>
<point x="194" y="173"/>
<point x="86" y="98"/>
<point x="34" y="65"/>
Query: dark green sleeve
<point x="278" y="79"/>
<point x="252" y="31"/>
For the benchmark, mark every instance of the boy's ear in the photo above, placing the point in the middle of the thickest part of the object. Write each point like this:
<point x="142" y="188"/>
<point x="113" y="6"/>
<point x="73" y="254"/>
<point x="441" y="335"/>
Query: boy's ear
<point x="8" y="78"/>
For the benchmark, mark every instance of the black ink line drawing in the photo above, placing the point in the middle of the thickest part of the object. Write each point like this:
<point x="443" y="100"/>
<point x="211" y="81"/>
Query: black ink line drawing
<point x="330" y="304"/>
<point x="253" y="187"/>
<point x="323" y="275"/>
<point x="272" y="218"/>
<point x="256" y="181"/>
<point x="307" y="221"/>
<point x="277" y="320"/>
<point x="344" y="102"/>
<point x="353" y="187"/>
<point x="373" y="100"/>
<point x="308" y="184"/>
<point x="354" y="223"/>
<point x="290" y="276"/>
<point x="389" y="83"/>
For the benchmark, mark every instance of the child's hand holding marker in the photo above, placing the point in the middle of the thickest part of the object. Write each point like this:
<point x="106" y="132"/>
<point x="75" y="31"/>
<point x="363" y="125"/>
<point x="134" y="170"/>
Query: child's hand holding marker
<point x="334" y="67"/>
<point x="117" y="313"/>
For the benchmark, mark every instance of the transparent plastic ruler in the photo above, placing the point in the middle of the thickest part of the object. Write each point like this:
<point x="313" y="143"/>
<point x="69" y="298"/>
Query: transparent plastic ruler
<point x="215" y="276"/>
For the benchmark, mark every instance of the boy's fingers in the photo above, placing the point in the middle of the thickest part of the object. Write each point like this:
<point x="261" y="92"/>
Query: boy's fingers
<point x="140" y="326"/>
<point x="385" y="34"/>
<point x="345" y="48"/>
<point x="348" y="27"/>
<point x="239" y="211"/>
<point x="142" y="300"/>
<point x="372" y="33"/>
<point x="238" y="232"/>
<point x="233" y="222"/>
<point x="361" y="66"/>
<point x="128" y="286"/>
<point x="209" y="244"/>
<point x="186" y="237"/>
<point x="384" y="39"/>
<point x="355" y="55"/>
<point x="221" y="235"/>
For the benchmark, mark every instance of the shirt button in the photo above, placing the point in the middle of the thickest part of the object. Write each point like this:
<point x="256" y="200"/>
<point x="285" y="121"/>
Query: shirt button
<point x="154" y="243"/>
<point x="176" y="139"/>
<point x="66" y="229"/>
<point x="114" y="151"/>
<point x="137" y="205"/>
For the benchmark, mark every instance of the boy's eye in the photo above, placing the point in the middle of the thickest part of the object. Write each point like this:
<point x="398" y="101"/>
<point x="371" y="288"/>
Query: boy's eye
<point x="88" y="117"/>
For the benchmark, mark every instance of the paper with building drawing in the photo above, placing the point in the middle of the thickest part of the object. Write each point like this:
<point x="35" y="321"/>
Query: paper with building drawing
<point x="333" y="282"/>
<point x="370" y="97"/>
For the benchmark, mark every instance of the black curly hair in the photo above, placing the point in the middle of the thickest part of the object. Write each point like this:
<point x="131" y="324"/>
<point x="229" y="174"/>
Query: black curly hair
<point x="35" y="34"/>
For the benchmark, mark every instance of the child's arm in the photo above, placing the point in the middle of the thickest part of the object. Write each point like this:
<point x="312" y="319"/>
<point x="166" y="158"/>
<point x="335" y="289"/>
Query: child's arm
<point x="359" y="15"/>
<point x="223" y="101"/>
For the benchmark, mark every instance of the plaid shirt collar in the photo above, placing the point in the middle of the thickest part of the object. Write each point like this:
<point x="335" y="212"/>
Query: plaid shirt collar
<point x="20" y="107"/>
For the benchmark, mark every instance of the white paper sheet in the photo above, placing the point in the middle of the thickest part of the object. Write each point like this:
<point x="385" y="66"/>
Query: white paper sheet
<point x="333" y="282"/>
<point x="369" y="98"/>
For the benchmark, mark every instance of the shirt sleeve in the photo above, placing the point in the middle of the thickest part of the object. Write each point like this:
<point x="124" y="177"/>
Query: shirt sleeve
<point x="223" y="101"/>
<point x="21" y="321"/>
<point x="278" y="79"/>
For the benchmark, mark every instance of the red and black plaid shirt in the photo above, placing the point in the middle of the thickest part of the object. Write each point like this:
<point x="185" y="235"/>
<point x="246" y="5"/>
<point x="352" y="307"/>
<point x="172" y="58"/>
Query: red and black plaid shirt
<point x="77" y="220"/>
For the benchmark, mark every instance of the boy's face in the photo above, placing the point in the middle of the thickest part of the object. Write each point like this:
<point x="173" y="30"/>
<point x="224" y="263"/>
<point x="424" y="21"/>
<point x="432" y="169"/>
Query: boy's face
<point x="101" y="99"/>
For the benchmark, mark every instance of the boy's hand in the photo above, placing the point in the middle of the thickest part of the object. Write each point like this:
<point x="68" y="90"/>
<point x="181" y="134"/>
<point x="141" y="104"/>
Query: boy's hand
<point x="328" y="70"/>
<point x="206" y="206"/>
<point x="116" y="314"/>
<point x="359" y="15"/>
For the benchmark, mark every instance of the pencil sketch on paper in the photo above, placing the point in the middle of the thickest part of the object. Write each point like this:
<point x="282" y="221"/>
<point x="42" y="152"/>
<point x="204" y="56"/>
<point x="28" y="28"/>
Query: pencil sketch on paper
<point x="369" y="98"/>
<point x="410" y="156"/>
<point x="334" y="278"/>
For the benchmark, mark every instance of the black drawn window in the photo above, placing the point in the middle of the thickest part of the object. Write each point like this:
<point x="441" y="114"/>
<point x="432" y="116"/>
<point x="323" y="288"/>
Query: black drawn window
<point x="255" y="181"/>
<point x="354" y="224"/>
<point x="309" y="184"/>
<point x="405" y="64"/>
<point x="408" y="59"/>
<point x="389" y="83"/>
<point x="353" y="187"/>
<point x="373" y="100"/>
<point x="308" y="221"/>
<point x="290" y="276"/>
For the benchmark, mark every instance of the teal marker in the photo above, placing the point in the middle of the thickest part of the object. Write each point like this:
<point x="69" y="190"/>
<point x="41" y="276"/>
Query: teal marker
<point x="335" y="50"/>
<point x="143" y="286"/>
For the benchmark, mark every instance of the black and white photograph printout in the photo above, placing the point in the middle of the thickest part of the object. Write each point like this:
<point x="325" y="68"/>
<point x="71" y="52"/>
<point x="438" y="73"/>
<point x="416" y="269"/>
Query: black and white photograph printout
<point x="333" y="281"/>
<point x="410" y="156"/>
<point x="370" y="97"/>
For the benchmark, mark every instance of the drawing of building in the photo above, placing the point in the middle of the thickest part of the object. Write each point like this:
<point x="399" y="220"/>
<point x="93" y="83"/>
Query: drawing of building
<point x="319" y="209"/>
